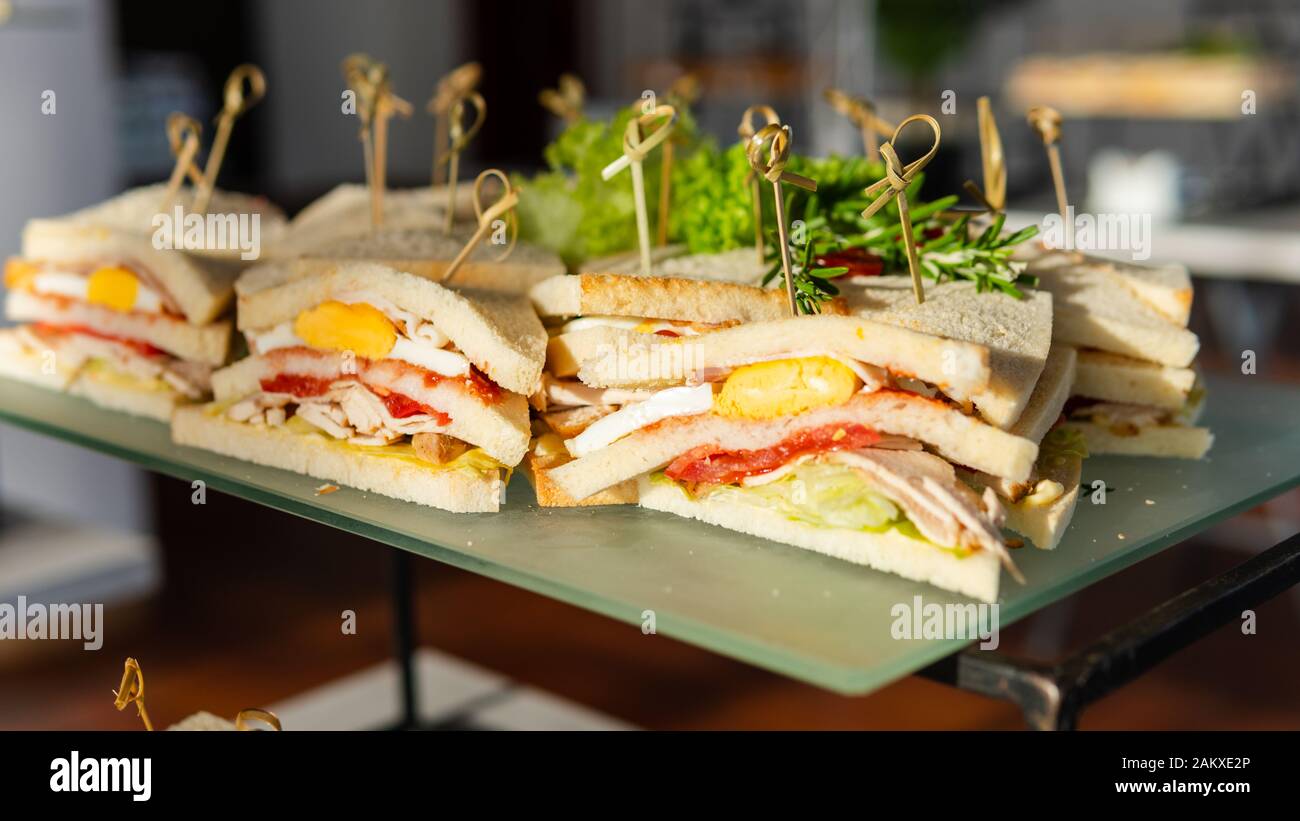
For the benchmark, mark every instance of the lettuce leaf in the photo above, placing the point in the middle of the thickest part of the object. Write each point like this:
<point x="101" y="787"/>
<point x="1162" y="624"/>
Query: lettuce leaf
<point x="824" y="495"/>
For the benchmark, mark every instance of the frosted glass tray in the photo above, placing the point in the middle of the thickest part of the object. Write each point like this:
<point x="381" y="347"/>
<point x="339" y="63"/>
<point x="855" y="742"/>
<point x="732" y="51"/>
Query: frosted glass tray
<point x="794" y="612"/>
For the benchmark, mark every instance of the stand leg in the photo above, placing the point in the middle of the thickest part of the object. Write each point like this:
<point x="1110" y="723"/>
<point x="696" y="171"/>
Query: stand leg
<point x="404" y="636"/>
<point x="1051" y="696"/>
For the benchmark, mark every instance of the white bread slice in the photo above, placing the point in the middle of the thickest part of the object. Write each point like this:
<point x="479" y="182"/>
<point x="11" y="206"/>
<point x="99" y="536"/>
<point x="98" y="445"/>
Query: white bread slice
<point x="1167" y="288"/>
<point x="976" y="575"/>
<point x="133" y="211"/>
<point x="613" y="358"/>
<point x="1044" y="524"/>
<point x="102" y="385"/>
<point x="209" y="344"/>
<point x="122" y="229"/>
<point x="1017" y="332"/>
<point x="1172" y="441"/>
<point x="1118" y="378"/>
<point x="959" y="438"/>
<point x="740" y="265"/>
<point x="658" y="297"/>
<point x="629" y="262"/>
<point x="345" y="212"/>
<point x="201" y="288"/>
<point x="497" y="332"/>
<point x="1050" y="394"/>
<point x="312" y="454"/>
<point x="427" y="252"/>
<point x="1090" y="310"/>
<point x="549" y="494"/>
<point x="116" y="391"/>
<point x="43" y="368"/>
<point x="261" y="276"/>
<point x="501" y="428"/>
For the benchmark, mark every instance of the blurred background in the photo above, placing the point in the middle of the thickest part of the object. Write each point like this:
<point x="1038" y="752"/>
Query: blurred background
<point x="1186" y="109"/>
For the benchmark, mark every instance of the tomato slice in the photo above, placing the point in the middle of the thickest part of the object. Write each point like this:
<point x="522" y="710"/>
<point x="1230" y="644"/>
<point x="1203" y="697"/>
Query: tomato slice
<point x="859" y="261"/>
<point x="303" y="387"/>
<point x="709" y="465"/>
<point x="139" y="346"/>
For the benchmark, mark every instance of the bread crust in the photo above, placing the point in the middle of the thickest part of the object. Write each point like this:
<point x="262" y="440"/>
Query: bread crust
<point x="497" y="332"/>
<point x="455" y="490"/>
<point x="976" y="575"/>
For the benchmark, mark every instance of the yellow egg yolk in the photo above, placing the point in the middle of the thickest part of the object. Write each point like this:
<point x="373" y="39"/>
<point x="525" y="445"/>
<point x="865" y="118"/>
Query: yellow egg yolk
<point x="336" y="326"/>
<point x="113" y="287"/>
<point x="785" y="387"/>
<point x="18" y="273"/>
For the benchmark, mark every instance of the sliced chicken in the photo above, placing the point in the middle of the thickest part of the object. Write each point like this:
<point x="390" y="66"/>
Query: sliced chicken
<point x="945" y="510"/>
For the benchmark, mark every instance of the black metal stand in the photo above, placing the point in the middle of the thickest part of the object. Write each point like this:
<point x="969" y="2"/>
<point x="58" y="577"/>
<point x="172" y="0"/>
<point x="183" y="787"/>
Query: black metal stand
<point x="404" y="637"/>
<point x="1051" y="696"/>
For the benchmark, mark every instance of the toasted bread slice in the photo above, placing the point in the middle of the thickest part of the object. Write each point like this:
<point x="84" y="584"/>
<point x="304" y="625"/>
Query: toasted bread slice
<point x="976" y="575"/>
<point x="612" y="358"/>
<point x="457" y="489"/>
<point x="1118" y="378"/>
<point x="658" y="297"/>
<point x="497" y="332"/>
<point x="547" y="452"/>
<point x="1017" y="332"/>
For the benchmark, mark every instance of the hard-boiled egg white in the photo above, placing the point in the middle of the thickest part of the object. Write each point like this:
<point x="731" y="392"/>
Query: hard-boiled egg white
<point x="112" y="287"/>
<point x="359" y="328"/>
<point x="628" y="323"/>
<point x="630" y="418"/>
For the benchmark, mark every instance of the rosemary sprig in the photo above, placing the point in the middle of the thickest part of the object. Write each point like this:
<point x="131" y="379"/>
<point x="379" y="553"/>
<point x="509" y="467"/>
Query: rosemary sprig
<point x="984" y="260"/>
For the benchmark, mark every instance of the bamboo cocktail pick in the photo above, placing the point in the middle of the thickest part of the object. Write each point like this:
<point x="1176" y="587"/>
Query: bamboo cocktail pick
<point x="897" y="178"/>
<point x="862" y="114"/>
<point x="460" y="137"/>
<point x="504" y="205"/>
<point x="636" y="147"/>
<point x="244" y="718"/>
<point x="566" y="99"/>
<point x="1047" y="123"/>
<point x="183" y="133"/>
<point x="455" y="84"/>
<point x="746" y="132"/>
<point x="131" y="691"/>
<point x="768" y="152"/>
<point x="376" y="104"/>
<point x="684" y="91"/>
<point x="993" y="196"/>
<point x="236" y="102"/>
